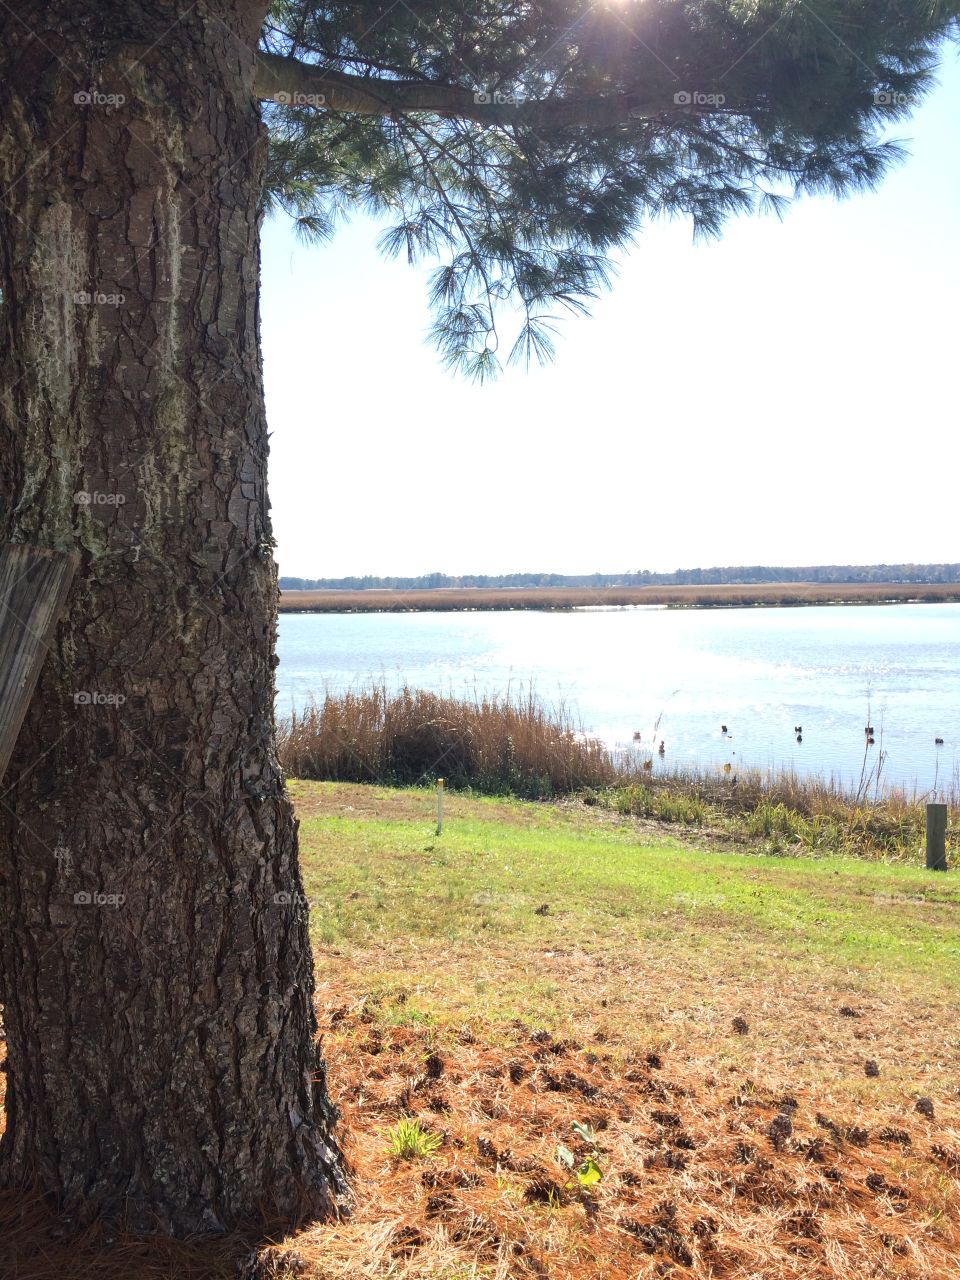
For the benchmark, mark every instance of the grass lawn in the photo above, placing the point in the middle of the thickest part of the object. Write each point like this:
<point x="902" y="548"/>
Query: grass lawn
<point x="540" y="965"/>
<point x="759" y="1055"/>
<point x="375" y="872"/>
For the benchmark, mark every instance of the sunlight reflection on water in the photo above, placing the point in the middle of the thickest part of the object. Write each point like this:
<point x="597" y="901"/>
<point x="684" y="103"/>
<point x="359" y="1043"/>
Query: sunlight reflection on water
<point x="831" y="670"/>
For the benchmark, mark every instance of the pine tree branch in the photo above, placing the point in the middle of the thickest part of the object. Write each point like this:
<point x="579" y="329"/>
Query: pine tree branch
<point x="288" y="80"/>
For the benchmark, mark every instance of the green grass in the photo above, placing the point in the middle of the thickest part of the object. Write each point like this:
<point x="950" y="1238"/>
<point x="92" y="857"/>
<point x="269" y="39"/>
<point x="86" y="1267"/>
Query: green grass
<point x="408" y="1140"/>
<point x="379" y="876"/>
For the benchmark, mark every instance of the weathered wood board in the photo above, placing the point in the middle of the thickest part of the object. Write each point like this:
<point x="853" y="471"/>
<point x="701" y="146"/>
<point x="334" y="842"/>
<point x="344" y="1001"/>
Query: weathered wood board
<point x="33" y="590"/>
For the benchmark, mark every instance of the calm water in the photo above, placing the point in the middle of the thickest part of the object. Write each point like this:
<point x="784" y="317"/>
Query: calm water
<point x="759" y="671"/>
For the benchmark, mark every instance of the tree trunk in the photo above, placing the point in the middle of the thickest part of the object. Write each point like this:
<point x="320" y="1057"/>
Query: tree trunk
<point x="155" y="968"/>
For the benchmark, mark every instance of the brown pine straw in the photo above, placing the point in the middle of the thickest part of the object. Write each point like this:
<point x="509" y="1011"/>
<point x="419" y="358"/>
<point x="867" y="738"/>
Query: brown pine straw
<point x="707" y="1174"/>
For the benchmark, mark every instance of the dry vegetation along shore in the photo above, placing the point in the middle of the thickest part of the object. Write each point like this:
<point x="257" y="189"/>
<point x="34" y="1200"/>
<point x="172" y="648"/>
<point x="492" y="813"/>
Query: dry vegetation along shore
<point x="517" y="746"/>
<point x="730" y="595"/>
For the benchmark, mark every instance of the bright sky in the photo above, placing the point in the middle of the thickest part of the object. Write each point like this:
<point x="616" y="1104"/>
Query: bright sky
<point x="786" y="395"/>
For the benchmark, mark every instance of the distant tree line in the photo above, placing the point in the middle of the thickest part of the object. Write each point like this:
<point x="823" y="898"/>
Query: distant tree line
<point x="738" y="575"/>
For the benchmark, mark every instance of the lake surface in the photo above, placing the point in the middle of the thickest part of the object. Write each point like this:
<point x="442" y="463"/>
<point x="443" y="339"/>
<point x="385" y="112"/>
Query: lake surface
<point x="831" y="670"/>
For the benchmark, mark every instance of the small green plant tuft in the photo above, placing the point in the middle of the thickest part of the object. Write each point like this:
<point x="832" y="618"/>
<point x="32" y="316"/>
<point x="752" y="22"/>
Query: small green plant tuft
<point x="589" y="1172"/>
<point x="408" y="1138"/>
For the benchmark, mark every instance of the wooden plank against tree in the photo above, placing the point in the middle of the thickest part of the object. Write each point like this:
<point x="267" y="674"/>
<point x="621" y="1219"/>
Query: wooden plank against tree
<point x="33" y="589"/>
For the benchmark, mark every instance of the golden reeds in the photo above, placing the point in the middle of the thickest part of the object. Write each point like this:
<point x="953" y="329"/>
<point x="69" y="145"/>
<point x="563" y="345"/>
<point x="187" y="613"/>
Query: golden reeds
<point x="722" y="594"/>
<point x="515" y="745"/>
<point x="499" y="745"/>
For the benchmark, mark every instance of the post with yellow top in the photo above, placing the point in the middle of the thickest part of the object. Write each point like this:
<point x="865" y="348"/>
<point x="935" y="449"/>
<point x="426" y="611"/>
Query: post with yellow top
<point x="439" y="806"/>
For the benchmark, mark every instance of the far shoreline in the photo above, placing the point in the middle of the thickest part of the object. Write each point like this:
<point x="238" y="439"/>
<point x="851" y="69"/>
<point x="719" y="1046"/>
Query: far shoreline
<point x="560" y="599"/>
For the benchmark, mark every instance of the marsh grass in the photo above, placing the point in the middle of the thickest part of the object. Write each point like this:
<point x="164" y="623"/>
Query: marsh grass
<point x="496" y="745"/>
<point x="784" y="812"/>
<point x="515" y="745"/>
<point x="689" y="596"/>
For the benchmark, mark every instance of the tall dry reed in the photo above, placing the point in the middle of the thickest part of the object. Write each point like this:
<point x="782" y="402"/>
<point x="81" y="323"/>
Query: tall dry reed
<point x="515" y="745"/>
<point x="494" y="744"/>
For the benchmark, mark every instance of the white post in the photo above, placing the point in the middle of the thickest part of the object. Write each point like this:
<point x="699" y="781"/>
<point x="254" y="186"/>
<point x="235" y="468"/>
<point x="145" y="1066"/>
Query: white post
<point x="439" y="806"/>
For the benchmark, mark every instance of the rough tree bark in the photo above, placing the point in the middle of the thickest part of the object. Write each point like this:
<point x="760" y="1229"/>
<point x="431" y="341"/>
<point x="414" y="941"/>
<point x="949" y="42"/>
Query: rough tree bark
<point x="155" y="970"/>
